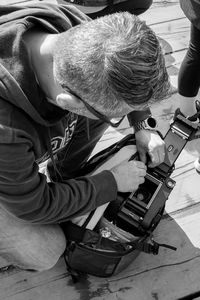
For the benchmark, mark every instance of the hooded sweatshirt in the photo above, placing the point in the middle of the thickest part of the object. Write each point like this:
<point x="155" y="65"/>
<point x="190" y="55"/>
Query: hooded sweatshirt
<point x="30" y="125"/>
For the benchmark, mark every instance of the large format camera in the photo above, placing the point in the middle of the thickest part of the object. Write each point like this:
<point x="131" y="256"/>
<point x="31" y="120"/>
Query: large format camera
<point x="141" y="211"/>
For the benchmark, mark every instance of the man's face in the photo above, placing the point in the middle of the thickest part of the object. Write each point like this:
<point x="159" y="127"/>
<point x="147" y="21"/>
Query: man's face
<point x="70" y="101"/>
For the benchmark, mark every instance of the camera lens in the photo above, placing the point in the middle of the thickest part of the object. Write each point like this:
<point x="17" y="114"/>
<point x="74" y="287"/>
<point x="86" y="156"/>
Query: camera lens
<point x="143" y="195"/>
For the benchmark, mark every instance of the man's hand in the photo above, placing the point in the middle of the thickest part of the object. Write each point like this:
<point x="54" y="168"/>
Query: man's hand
<point x="149" y="144"/>
<point x="129" y="175"/>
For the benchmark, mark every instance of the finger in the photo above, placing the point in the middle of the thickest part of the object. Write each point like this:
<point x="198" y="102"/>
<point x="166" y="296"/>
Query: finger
<point x="162" y="155"/>
<point x="142" y="172"/>
<point x="139" y="164"/>
<point x="154" y="159"/>
<point x="141" y="180"/>
<point x="143" y="157"/>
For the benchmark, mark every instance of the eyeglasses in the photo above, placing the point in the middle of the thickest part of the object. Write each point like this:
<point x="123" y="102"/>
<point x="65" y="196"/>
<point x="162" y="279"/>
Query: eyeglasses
<point x="97" y="114"/>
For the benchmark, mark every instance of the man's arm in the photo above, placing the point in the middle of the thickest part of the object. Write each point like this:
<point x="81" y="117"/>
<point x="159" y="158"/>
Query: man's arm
<point x="26" y="194"/>
<point x="150" y="145"/>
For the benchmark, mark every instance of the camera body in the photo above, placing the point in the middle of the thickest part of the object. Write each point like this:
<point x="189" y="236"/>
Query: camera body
<point x="141" y="211"/>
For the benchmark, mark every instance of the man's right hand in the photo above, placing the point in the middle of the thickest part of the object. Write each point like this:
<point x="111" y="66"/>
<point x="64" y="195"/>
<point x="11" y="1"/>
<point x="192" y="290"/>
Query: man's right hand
<point x="129" y="175"/>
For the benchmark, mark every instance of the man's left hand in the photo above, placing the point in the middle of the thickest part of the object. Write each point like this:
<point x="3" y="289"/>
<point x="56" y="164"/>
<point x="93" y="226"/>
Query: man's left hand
<point x="151" y="147"/>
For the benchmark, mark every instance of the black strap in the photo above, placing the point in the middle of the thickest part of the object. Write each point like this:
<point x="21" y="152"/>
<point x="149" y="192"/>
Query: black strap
<point x="151" y="247"/>
<point x="196" y="116"/>
<point x="79" y="234"/>
<point x="100" y="157"/>
<point x="88" y="237"/>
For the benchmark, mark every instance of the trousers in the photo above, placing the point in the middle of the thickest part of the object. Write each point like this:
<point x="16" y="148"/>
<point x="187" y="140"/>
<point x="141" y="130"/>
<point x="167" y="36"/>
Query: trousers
<point x="189" y="73"/>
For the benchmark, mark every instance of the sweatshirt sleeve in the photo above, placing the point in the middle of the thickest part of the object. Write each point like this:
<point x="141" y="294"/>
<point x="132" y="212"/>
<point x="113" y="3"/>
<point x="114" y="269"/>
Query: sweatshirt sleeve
<point x="26" y="194"/>
<point x="136" y="116"/>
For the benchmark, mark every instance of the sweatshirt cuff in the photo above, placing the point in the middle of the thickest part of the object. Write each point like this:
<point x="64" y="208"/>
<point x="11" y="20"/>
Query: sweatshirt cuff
<point x="138" y="115"/>
<point x="106" y="187"/>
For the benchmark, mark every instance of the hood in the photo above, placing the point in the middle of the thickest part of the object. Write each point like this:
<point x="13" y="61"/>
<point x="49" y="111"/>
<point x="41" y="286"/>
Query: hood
<point x="17" y="80"/>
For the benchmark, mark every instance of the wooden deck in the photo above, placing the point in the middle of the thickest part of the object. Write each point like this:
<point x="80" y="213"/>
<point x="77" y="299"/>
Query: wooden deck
<point x="170" y="275"/>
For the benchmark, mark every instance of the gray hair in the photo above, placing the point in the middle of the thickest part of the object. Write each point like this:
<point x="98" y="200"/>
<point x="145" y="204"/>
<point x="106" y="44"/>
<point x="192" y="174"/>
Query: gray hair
<point x="111" y="60"/>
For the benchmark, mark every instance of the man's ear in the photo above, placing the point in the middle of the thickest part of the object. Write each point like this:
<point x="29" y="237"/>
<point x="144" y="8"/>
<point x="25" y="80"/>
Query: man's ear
<point x="67" y="101"/>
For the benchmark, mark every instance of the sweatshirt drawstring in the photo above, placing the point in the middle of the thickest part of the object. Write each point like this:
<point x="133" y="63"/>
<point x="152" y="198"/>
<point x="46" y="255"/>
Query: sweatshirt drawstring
<point x="88" y="129"/>
<point x="49" y="147"/>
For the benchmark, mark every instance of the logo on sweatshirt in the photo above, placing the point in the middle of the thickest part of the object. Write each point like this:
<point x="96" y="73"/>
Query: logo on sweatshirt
<point x="59" y="142"/>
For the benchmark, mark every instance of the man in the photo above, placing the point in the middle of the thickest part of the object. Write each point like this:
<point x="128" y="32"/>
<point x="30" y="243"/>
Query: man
<point x="63" y="79"/>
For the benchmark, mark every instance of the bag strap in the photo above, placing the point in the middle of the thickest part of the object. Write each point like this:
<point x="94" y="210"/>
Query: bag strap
<point x="88" y="237"/>
<point x="151" y="247"/>
<point x="79" y="234"/>
<point x="104" y="154"/>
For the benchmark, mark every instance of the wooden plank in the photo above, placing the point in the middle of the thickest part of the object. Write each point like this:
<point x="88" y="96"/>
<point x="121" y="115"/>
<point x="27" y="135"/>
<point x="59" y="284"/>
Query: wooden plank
<point x="23" y="2"/>
<point x="148" y="277"/>
<point x="174" y="36"/>
<point x="162" y="11"/>
<point x="170" y="275"/>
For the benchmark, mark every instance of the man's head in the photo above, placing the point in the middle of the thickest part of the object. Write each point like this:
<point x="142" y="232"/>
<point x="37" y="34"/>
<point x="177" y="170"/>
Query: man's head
<point x="113" y="63"/>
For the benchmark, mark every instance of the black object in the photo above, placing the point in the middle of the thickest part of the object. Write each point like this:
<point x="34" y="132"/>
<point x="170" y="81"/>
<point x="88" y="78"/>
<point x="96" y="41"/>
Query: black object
<point x="90" y="252"/>
<point x="141" y="211"/>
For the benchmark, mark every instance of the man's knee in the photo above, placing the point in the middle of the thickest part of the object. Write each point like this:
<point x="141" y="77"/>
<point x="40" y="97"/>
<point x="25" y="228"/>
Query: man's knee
<point x="43" y="256"/>
<point x="34" y="247"/>
<point x="47" y="258"/>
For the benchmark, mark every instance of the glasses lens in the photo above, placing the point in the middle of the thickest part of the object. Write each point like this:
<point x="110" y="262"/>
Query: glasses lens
<point x="115" y="122"/>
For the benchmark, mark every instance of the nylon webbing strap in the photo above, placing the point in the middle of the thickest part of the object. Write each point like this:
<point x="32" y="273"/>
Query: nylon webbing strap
<point x="102" y="156"/>
<point x="76" y="233"/>
<point x="86" y="236"/>
<point x="79" y="234"/>
<point x="152" y="247"/>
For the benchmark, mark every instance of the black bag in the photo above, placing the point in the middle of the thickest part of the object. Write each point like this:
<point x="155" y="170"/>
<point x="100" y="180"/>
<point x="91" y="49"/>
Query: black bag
<point x="129" y="220"/>
<point x="90" y="253"/>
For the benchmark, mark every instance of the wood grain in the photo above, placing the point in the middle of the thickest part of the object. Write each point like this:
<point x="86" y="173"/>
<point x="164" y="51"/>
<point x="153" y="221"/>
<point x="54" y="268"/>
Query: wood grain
<point x="170" y="275"/>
